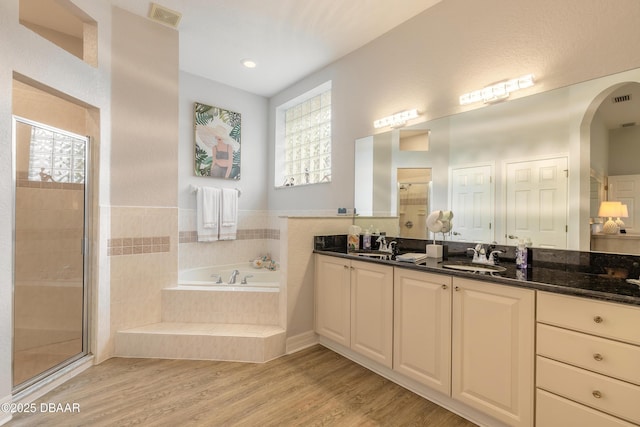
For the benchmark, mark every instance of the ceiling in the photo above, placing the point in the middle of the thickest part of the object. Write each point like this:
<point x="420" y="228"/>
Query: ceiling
<point x="288" y="39"/>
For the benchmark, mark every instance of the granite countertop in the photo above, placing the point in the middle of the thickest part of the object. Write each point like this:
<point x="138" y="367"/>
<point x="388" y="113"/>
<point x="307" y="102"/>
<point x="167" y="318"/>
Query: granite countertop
<point x="599" y="283"/>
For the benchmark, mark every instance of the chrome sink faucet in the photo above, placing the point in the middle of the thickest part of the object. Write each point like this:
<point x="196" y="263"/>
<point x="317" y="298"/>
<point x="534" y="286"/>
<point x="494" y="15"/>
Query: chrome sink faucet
<point x="383" y="244"/>
<point x="384" y="247"/>
<point x="232" y="279"/>
<point x="487" y="256"/>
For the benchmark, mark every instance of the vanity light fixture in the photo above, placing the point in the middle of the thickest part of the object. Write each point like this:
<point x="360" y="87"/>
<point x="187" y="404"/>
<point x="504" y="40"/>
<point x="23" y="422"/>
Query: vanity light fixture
<point x="396" y="120"/>
<point x="610" y="210"/>
<point x="498" y="91"/>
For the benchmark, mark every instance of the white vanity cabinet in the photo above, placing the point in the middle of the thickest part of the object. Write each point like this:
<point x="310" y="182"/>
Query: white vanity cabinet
<point x="354" y="306"/>
<point x="422" y="328"/>
<point x="493" y="349"/>
<point x="588" y="362"/>
<point x="333" y="299"/>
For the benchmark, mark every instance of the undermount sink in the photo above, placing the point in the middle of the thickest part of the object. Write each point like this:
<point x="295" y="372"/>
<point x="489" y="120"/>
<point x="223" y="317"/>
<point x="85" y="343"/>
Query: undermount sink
<point x="370" y="253"/>
<point x="475" y="268"/>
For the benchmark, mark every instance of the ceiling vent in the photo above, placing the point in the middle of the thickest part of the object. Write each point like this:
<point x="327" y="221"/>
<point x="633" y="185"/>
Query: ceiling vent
<point x="164" y="16"/>
<point x="621" y="98"/>
<point x="627" y="125"/>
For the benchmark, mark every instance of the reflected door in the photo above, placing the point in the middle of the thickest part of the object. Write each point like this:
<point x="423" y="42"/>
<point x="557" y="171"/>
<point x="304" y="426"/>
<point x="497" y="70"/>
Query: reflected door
<point x="49" y="264"/>
<point x="536" y="201"/>
<point x="472" y="204"/>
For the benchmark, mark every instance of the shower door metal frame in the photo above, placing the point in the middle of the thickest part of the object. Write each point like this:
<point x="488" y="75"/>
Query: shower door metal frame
<point x="84" y="247"/>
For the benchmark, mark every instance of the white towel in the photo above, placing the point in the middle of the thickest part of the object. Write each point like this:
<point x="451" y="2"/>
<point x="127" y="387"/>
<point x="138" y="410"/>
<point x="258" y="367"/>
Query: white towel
<point x="210" y="207"/>
<point x="229" y="214"/>
<point x="229" y="207"/>
<point x="207" y="213"/>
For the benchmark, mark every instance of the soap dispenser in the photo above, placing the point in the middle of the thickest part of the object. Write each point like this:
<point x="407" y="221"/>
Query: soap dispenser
<point x="521" y="255"/>
<point x="366" y="239"/>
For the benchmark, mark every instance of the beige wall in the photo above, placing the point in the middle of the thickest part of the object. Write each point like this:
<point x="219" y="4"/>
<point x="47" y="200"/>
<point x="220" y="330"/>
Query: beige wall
<point x="144" y="153"/>
<point x="143" y="247"/>
<point x="455" y="47"/>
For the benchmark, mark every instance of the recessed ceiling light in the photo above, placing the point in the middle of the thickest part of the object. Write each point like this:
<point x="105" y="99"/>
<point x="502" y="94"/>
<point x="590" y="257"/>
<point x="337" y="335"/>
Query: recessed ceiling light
<point x="249" y="63"/>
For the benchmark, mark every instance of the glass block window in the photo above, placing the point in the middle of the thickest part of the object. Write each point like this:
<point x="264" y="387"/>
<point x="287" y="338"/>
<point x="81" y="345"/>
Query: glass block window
<point x="56" y="157"/>
<point x="304" y="144"/>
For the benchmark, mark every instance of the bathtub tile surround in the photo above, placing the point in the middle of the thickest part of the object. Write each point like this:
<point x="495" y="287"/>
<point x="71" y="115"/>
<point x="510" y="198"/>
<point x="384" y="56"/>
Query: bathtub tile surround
<point x="138" y="245"/>
<point x="258" y="233"/>
<point x="137" y="279"/>
<point x="202" y="341"/>
<point x="211" y="322"/>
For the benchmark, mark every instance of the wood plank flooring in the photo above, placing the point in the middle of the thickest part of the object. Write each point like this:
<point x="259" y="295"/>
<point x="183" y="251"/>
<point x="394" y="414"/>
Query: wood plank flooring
<point x="314" y="387"/>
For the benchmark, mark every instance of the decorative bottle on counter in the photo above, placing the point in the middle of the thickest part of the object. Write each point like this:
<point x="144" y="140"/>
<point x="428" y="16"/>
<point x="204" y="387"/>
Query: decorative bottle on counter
<point x="522" y="254"/>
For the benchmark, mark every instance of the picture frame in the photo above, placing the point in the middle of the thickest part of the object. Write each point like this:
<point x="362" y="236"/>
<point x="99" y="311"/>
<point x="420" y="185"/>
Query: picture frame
<point x="217" y="142"/>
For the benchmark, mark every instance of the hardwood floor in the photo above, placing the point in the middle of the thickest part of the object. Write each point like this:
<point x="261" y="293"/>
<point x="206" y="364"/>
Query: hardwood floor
<point x="314" y="387"/>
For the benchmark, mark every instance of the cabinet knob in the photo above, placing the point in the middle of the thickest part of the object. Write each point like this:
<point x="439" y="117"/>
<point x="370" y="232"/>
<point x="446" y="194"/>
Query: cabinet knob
<point x="457" y="288"/>
<point x="445" y="287"/>
<point x="598" y="357"/>
<point x="596" y="394"/>
<point x="598" y="319"/>
<point x="346" y="267"/>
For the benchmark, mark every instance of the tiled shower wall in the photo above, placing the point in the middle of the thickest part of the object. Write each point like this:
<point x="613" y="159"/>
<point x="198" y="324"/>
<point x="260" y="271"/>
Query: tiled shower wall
<point x="258" y="234"/>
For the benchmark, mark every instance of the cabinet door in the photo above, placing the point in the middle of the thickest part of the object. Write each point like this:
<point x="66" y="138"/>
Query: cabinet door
<point x="372" y="311"/>
<point x="493" y="349"/>
<point x="332" y="299"/>
<point x="422" y="327"/>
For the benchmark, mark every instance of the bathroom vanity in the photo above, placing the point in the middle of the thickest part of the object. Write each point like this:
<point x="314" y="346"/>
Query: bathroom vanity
<point x="556" y="343"/>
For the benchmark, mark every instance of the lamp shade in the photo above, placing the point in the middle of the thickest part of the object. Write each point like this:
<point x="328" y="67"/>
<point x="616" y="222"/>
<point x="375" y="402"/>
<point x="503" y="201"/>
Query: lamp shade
<point x="625" y="212"/>
<point x="610" y="209"/>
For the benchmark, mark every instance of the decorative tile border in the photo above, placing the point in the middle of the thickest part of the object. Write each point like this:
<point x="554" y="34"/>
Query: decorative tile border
<point x="48" y="185"/>
<point x="138" y="245"/>
<point x="413" y="201"/>
<point x="243" y="234"/>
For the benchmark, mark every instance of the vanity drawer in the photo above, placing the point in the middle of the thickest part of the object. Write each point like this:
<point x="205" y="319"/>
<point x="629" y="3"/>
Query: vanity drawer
<point x="610" y="320"/>
<point x="555" y="411"/>
<point x="609" y="395"/>
<point x="605" y="356"/>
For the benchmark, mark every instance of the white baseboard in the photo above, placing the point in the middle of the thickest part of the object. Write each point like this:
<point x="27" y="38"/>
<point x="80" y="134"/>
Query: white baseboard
<point x="5" y="417"/>
<point x="301" y="341"/>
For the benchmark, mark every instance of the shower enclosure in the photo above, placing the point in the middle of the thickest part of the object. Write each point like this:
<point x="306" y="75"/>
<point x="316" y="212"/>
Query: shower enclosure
<point x="50" y="243"/>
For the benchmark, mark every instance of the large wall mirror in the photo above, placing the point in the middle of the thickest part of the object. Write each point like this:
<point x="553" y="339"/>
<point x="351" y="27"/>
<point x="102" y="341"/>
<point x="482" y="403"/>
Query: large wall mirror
<point x="535" y="167"/>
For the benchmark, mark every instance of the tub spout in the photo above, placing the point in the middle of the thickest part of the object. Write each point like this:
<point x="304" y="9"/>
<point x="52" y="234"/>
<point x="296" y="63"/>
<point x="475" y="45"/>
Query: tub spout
<point x="232" y="279"/>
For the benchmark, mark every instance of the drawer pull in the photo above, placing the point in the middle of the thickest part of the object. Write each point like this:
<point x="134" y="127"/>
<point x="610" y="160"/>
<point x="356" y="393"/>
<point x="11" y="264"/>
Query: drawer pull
<point x="457" y="288"/>
<point x="598" y="319"/>
<point x="598" y="357"/>
<point x="445" y="287"/>
<point x="597" y="394"/>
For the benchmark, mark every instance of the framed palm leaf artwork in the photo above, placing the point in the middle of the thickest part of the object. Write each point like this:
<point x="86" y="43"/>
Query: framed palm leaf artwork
<point x="217" y="142"/>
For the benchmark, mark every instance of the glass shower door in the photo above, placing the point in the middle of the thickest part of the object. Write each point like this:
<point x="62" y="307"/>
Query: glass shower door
<point x="50" y="298"/>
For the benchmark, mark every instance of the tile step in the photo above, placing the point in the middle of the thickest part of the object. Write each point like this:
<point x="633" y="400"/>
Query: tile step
<point x="202" y="341"/>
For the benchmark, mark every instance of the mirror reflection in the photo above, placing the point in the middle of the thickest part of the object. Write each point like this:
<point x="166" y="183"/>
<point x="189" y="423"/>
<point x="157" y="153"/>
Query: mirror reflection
<point x="533" y="168"/>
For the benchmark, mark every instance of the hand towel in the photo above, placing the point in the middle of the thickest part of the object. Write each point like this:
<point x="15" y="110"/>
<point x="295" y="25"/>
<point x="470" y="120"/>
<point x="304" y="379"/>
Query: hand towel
<point x="207" y="231"/>
<point x="210" y="207"/>
<point x="229" y="214"/>
<point x="229" y="207"/>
